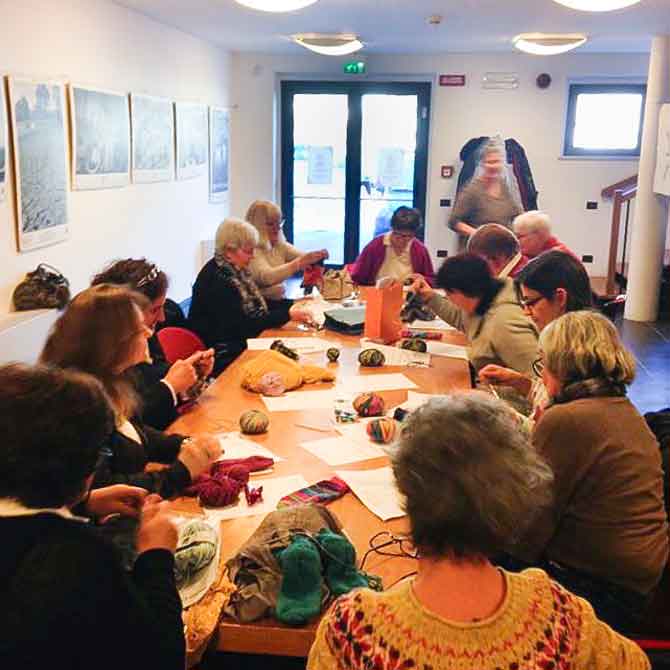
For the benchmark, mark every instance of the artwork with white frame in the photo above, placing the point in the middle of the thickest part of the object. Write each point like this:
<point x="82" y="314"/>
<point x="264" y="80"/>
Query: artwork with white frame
<point x="152" y="121"/>
<point x="4" y="151"/>
<point x="192" y="139"/>
<point x="100" y="138"/>
<point x="662" y="175"/>
<point x="37" y="113"/>
<point x="219" y="148"/>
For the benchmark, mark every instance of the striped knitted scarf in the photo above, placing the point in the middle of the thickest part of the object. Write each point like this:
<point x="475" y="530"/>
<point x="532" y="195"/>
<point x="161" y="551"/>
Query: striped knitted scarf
<point x="253" y="303"/>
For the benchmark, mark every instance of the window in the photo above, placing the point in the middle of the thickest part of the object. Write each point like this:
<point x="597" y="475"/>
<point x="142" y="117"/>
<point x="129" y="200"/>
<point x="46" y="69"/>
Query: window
<point x="604" y="120"/>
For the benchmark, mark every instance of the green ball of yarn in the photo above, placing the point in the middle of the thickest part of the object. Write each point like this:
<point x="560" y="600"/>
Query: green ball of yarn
<point x="414" y="344"/>
<point x="382" y="430"/>
<point x="254" y="422"/>
<point x="333" y="354"/>
<point x="371" y="358"/>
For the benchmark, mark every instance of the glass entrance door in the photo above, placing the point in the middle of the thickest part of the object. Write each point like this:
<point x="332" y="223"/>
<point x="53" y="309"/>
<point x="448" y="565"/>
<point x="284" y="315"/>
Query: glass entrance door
<point x="351" y="154"/>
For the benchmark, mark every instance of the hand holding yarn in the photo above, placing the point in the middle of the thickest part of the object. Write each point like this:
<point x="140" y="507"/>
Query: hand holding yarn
<point x="197" y="454"/>
<point x="156" y="530"/>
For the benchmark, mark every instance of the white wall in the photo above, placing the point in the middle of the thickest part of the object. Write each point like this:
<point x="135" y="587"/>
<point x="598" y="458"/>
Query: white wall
<point x="534" y="117"/>
<point x="97" y="43"/>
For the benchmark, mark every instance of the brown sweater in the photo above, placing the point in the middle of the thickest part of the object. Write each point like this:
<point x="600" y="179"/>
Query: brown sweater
<point x="608" y="518"/>
<point x="476" y="207"/>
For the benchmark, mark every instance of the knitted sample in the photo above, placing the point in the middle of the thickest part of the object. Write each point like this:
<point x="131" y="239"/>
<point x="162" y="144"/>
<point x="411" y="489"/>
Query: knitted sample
<point x="540" y="626"/>
<point x="324" y="491"/>
<point x="369" y="404"/>
<point x="271" y="384"/>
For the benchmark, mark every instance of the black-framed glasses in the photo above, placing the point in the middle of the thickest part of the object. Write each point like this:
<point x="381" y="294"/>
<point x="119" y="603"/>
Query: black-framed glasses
<point x="385" y="543"/>
<point x="527" y="303"/>
<point x="150" y="276"/>
<point x="538" y="367"/>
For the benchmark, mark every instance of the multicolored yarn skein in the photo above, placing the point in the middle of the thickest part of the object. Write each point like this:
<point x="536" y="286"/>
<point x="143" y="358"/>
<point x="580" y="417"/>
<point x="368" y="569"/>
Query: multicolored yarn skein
<point x="414" y="344"/>
<point x="369" y="404"/>
<point x="279" y="346"/>
<point x="254" y="422"/>
<point x="382" y="430"/>
<point x="371" y="358"/>
<point x="333" y="353"/>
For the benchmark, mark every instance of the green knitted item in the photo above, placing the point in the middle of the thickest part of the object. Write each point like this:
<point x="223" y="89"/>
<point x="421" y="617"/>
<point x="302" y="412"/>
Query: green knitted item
<point x="340" y="556"/>
<point x="300" y="595"/>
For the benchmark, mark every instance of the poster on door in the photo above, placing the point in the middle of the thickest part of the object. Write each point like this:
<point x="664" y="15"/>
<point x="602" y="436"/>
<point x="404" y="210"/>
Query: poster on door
<point x="389" y="167"/>
<point x="662" y="177"/>
<point x="320" y="165"/>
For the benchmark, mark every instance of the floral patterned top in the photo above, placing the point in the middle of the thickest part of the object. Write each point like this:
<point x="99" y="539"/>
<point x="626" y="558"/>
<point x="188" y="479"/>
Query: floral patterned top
<point x="540" y="626"/>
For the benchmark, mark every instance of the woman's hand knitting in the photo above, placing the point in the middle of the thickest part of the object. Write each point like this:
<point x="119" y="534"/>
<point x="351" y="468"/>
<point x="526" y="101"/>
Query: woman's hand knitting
<point x="198" y="454"/>
<point x="118" y="499"/>
<point x="157" y="530"/>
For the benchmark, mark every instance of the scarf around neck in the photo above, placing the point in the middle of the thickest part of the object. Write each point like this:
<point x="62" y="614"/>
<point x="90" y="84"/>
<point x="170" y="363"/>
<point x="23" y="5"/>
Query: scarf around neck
<point x="595" y="387"/>
<point x="253" y="303"/>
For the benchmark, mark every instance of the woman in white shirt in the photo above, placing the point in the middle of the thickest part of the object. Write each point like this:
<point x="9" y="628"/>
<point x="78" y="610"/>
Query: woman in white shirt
<point x="275" y="259"/>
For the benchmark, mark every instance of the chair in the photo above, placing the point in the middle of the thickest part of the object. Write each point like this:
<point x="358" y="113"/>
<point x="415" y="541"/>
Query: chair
<point x="179" y="343"/>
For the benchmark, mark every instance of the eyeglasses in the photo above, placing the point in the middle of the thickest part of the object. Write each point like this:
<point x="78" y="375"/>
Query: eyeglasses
<point x="150" y="276"/>
<point x="527" y="303"/>
<point x="538" y="367"/>
<point x="399" y="545"/>
<point x="275" y="224"/>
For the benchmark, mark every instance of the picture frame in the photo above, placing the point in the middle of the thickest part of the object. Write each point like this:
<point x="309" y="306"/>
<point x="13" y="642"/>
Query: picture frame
<point x="153" y="140"/>
<point x="4" y="141"/>
<point x="219" y="154"/>
<point x="192" y="127"/>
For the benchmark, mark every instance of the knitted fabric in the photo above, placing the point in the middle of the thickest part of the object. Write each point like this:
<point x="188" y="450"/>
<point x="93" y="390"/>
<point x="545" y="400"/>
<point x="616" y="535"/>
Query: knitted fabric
<point x="253" y="302"/>
<point x="292" y="374"/>
<point x="540" y="626"/>
<point x="324" y="491"/>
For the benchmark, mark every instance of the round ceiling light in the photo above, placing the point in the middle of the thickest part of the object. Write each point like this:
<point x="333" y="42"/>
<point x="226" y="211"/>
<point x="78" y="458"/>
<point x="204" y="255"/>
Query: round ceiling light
<point x="329" y="45"/>
<point x="276" y="5"/>
<point x="597" y="5"/>
<point x="544" y="44"/>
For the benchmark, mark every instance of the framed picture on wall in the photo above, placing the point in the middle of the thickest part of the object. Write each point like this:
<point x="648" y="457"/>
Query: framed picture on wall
<point x="219" y="143"/>
<point x="192" y="140"/>
<point x="152" y="121"/>
<point x="37" y="113"/>
<point x="3" y="140"/>
<point x="100" y="138"/>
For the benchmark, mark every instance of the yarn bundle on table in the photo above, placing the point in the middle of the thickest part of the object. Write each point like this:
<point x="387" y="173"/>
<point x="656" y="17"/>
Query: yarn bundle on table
<point x="382" y="430"/>
<point x="254" y="422"/>
<point x="369" y="404"/>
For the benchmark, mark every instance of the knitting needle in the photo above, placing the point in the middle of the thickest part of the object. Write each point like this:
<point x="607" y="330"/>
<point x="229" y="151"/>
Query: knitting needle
<point x="495" y="393"/>
<point x="317" y="428"/>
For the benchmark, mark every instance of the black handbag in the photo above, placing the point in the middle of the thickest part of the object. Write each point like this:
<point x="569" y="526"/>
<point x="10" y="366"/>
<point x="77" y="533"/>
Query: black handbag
<point x="43" y="288"/>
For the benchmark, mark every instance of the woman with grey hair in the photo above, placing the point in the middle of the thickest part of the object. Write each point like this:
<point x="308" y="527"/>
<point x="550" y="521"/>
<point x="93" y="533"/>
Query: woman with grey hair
<point x="605" y="536"/>
<point x="227" y="307"/>
<point x="470" y="482"/>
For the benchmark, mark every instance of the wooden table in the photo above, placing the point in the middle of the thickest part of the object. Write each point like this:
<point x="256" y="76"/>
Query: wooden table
<point x="219" y="409"/>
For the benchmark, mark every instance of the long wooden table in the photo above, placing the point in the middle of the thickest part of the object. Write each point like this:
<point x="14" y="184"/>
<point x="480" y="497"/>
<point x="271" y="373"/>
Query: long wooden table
<point x="219" y="410"/>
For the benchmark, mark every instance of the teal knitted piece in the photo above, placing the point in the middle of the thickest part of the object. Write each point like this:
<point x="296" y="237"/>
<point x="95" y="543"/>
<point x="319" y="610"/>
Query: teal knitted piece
<point x="340" y="556"/>
<point x="300" y="595"/>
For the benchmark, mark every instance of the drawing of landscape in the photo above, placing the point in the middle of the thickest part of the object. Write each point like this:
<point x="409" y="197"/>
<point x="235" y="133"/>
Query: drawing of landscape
<point x="101" y="139"/>
<point x="40" y="162"/>
<point x="219" y="132"/>
<point x="153" y="138"/>
<point x="3" y="143"/>
<point x="192" y="144"/>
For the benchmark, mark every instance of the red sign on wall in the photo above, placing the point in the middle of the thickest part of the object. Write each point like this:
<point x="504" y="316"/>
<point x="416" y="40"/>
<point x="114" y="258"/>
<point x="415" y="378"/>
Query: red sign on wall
<point x="452" y="80"/>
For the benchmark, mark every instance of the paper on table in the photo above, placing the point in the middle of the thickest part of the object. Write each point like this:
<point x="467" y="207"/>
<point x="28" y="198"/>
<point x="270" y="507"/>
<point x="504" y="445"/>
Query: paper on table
<point x="300" y="400"/>
<point x="376" y="489"/>
<point x="273" y="489"/>
<point x="435" y="324"/>
<point x="415" y="399"/>
<point x="449" y="350"/>
<point x="341" y="450"/>
<point x="236" y="446"/>
<point x="397" y="356"/>
<point x="303" y="345"/>
<point x="375" y="382"/>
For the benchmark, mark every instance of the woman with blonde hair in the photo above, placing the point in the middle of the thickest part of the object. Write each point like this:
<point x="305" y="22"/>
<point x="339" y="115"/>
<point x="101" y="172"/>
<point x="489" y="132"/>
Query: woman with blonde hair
<point x="275" y="259"/>
<point x="103" y="332"/>
<point x="605" y="536"/>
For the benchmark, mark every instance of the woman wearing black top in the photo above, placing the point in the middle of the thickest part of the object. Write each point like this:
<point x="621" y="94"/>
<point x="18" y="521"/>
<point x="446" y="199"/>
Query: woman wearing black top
<point x="66" y="601"/>
<point x="227" y="306"/>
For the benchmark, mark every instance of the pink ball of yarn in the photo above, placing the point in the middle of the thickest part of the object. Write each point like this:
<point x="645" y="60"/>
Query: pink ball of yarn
<point x="220" y="492"/>
<point x="239" y="473"/>
<point x="271" y="384"/>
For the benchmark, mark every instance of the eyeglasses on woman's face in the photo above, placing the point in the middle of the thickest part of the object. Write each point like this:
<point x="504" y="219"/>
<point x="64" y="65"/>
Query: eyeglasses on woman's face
<point x="529" y="303"/>
<point x="275" y="225"/>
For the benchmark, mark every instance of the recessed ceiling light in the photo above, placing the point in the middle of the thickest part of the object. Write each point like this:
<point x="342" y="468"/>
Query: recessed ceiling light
<point x="545" y="44"/>
<point x="329" y="45"/>
<point x="597" y="5"/>
<point x="276" y="5"/>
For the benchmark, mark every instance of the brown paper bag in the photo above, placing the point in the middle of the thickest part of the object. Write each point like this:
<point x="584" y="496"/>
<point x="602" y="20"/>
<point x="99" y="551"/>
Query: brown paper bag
<point x="382" y="313"/>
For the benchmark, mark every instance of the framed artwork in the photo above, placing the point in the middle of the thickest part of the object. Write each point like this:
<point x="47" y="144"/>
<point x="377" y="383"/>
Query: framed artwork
<point x="100" y="139"/>
<point x="192" y="141"/>
<point x="219" y="143"/>
<point x="662" y="175"/>
<point x="152" y="121"/>
<point x="3" y="140"/>
<point x="37" y="112"/>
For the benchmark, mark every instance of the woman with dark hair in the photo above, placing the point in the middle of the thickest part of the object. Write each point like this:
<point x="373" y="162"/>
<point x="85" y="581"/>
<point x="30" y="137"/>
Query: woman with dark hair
<point x="486" y="309"/>
<point x="158" y="384"/>
<point x="67" y="602"/>
<point x="397" y="254"/>
<point x="471" y="484"/>
<point x="103" y="332"/>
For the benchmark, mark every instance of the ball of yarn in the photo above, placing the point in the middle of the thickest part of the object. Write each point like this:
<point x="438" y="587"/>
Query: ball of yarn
<point x="254" y="422"/>
<point x="333" y="354"/>
<point x="271" y="384"/>
<point x="279" y="346"/>
<point x="382" y="430"/>
<point x="371" y="358"/>
<point x="369" y="404"/>
<point x="414" y="344"/>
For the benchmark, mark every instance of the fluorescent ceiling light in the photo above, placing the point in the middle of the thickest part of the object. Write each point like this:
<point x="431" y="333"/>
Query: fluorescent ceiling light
<point x="597" y="5"/>
<point x="276" y="5"/>
<point x="544" y="44"/>
<point x="329" y="45"/>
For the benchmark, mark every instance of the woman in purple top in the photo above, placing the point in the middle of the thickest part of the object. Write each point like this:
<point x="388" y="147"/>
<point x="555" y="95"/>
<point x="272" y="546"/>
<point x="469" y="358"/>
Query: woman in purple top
<point x="397" y="254"/>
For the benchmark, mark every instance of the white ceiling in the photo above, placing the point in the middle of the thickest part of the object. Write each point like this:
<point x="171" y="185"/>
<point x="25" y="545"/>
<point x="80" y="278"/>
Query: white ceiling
<point x="400" y="26"/>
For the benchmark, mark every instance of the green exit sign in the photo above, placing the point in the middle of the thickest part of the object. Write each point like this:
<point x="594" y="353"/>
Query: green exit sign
<point x="357" y="67"/>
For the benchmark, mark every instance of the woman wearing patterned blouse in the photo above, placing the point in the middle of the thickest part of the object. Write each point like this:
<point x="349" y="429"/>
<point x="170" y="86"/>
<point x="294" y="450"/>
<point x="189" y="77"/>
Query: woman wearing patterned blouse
<point x="471" y="483"/>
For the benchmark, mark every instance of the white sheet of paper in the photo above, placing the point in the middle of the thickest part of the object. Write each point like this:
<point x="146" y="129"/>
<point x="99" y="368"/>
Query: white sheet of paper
<point x="446" y="349"/>
<point x="300" y="400"/>
<point x="397" y="356"/>
<point x="415" y="399"/>
<point x="341" y="450"/>
<point x="303" y="345"/>
<point x="376" y="489"/>
<point x="435" y="324"/>
<point x="236" y="446"/>
<point x="274" y="488"/>
<point x="375" y="382"/>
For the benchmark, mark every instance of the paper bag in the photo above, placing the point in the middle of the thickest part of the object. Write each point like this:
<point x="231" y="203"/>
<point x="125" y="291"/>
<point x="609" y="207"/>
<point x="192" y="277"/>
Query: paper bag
<point x="382" y="313"/>
<point x="337" y="284"/>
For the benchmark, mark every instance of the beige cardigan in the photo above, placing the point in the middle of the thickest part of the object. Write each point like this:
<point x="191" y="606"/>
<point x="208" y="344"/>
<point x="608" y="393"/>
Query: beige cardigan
<point x="270" y="266"/>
